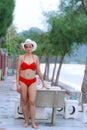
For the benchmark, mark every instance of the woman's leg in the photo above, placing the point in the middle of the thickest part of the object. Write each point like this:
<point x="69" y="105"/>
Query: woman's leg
<point x="32" y="100"/>
<point x="24" y="100"/>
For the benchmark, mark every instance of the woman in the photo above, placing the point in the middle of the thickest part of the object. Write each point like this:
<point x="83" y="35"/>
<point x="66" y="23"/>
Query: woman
<point x="27" y="67"/>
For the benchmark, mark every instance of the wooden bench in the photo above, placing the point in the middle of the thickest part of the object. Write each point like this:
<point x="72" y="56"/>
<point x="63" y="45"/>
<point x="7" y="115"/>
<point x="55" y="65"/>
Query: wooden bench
<point x="52" y="98"/>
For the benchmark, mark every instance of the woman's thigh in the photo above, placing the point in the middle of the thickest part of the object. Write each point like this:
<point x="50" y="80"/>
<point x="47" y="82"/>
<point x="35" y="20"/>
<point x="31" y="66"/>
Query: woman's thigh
<point x="24" y="91"/>
<point x="32" y="92"/>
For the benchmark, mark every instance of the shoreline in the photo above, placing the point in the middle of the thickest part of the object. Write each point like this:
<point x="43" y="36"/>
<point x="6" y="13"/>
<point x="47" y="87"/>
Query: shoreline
<point x="71" y="74"/>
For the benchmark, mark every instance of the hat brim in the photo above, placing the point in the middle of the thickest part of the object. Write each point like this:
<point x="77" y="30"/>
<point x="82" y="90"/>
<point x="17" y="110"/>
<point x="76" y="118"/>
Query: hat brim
<point x="30" y="42"/>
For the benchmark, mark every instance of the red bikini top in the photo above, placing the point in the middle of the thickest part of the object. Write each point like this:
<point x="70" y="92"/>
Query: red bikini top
<point x="25" y="66"/>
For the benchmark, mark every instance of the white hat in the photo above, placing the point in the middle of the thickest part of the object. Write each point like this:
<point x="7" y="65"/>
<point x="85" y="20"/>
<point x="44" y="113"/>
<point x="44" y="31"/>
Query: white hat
<point x="29" y="41"/>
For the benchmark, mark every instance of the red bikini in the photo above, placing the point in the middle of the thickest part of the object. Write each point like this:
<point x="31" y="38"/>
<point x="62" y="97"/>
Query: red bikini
<point x="25" y="66"/>
<point x="27" y="81"/>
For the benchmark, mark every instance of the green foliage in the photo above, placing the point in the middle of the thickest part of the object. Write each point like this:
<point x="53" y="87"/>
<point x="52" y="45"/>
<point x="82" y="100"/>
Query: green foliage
<point x="68" y="26"/>
<point x="6" y="15"/>
<point x="11" y="33"/>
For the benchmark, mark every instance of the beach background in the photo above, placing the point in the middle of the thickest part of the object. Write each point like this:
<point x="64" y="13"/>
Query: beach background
<point x="71" y="74"/>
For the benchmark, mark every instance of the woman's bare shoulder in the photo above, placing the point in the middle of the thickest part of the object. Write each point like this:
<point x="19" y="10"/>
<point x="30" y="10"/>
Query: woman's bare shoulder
<point x="36" y="57"/>
<point x="20" y="57"/>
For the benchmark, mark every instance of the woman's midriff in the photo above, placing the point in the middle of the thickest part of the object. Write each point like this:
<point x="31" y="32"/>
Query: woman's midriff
<point x="27" y="74"/>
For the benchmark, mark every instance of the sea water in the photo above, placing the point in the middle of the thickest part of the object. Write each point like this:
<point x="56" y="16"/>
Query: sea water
<point x="70" y="74"/>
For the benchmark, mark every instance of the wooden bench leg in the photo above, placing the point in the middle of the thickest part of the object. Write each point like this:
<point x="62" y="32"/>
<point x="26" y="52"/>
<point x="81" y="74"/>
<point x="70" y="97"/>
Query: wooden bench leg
<point x="53" y="116"/>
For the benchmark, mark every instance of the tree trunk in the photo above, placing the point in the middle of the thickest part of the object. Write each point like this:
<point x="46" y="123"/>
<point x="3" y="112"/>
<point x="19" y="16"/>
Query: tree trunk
<point x="84" y="83"/>
<point x="45" y="72"/>
<point x="59" y="68"/>
<point x="84" y="6"/>
<point x="41" y="54"/>
<point x="54" y="70"/>
<point x="47" y="66"/>
<point x="40" y="57"/>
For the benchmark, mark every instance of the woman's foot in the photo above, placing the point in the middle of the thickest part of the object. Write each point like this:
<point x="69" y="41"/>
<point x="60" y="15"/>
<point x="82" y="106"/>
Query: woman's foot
<point x="34" y="126"/>
<point x="25" y="125"/>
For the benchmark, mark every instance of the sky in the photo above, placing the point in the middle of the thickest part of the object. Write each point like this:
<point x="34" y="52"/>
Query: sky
<point x="28" y="13"/>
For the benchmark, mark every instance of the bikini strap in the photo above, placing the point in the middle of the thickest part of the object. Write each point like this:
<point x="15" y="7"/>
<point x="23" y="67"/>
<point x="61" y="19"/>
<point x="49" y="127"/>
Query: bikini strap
<point x="33" y="57"/>
<point x="23" y="59"/>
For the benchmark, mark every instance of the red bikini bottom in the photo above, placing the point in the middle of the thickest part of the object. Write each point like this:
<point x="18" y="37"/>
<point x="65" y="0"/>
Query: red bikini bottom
<point x="27" y="81"/>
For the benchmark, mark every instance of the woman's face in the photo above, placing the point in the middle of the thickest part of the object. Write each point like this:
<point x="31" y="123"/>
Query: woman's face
<point x="28" y="48"/>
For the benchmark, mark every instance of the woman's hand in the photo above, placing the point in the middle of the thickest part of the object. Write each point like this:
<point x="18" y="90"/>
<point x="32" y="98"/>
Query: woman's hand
<point x="19" y="89"/>
<point x="44" y="86"/>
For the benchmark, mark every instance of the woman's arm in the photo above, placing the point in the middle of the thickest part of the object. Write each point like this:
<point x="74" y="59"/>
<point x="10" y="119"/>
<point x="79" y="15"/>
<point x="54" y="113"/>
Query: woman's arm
<point x="39" y="72"/>
<point x="18" y="73"/>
